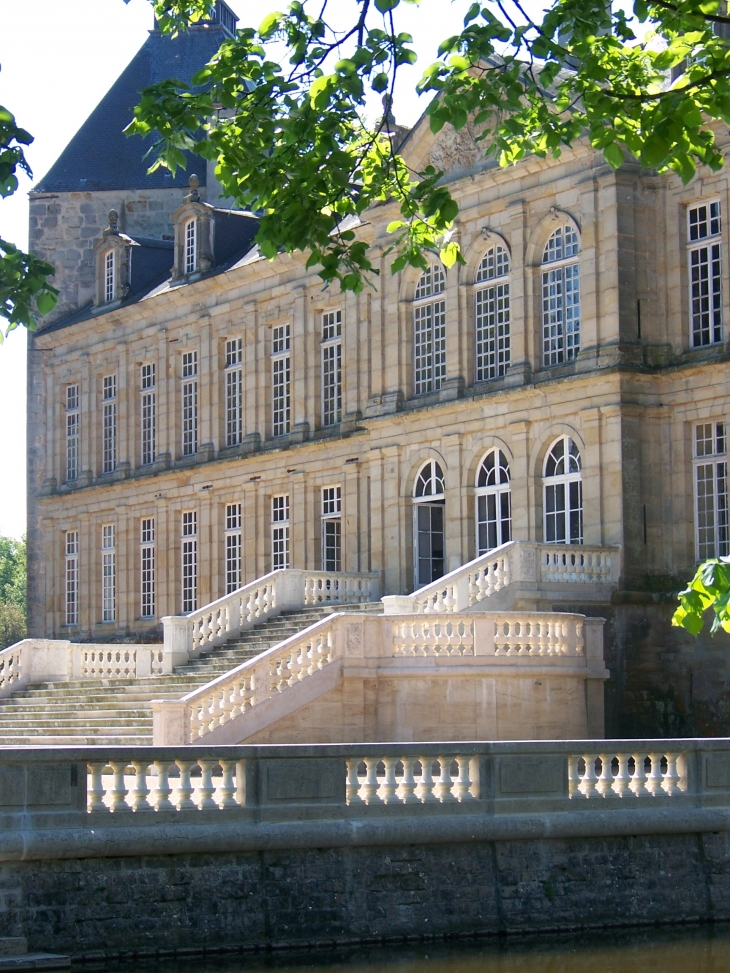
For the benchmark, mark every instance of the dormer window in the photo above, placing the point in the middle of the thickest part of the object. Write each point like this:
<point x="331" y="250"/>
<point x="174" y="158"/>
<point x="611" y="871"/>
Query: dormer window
<point x="113" y="258"/>
<point x="190" y="248"/>
<point x="109" y="276"/>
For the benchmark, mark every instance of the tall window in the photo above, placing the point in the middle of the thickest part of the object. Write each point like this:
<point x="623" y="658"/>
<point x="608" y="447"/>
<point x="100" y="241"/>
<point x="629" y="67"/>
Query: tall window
<point x="492" y="315"/>
<point x="281" y="380"/>
<point x="494" y="502"/>
<point x="147" y="566"/>
<point x="109" y="261"/>
<point x="149" y="414"/>
<point x="71" y="571"/>
<point x="561" y="297"/>
<point x="189" y="561"/>
<point x="108" y="573"/>
<point x="429" y="332"/>
<point x="109" y="421"/>
<point x="280" y="532"/>
<point x="705" y="272"/>
<point x="331" y="367"/>
<point x="233" y="547"/>
<point x="72" y="433"/>
<point x="234" y="391"/>
<point x="563" y="491"/>
<point x="428" y="523"/>
<point x="190" y="247"/>
<point x="332" y="528"/>
<point x="190" y="403"/>
<point x="713" y="536"/>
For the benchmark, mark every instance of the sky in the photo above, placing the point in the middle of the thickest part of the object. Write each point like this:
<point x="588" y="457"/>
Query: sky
<point x="57" y="59"/>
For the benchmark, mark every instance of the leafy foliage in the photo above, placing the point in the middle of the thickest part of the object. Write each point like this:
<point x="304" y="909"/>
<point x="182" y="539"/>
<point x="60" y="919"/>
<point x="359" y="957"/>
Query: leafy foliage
<point x="24" y="288"/>
<point x="289" y="137"/>
<point x="13" y="572"/>
<point x="710" y="588"/>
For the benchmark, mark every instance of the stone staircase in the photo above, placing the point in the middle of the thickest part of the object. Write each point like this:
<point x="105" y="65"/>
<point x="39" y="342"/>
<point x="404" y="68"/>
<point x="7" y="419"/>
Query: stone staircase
<point x="117" y="712"/>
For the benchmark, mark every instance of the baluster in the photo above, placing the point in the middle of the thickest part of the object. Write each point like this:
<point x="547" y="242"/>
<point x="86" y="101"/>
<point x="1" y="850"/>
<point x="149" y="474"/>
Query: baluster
<point x="407" y="789"/>
<point x="140" y="789"/>
<point x="213" y="710"/>
<point x="638" y="781"/>
<point x="573" y="775"/>
<point x="605" y="781"/>
<point x="353" y="781"/>
<point x="654" y="778"/>
<point x="292" y="667"/>
<point x="473" y="587"/>
<point x="442" y="788"/>
<point x="370" y="788"/>
<point x="206" y="788"/>
<point x="228" y="784"/>
<point x="589" y="779"/>
<point x="449" y="600"/>
<point x="499" y="574"/>
<point x="95" y="796"/>
<point x="324" y="652"/>
<point x="185" y="787"/>
<point x="425" y="788"/>
<point x="622" y="780"/>
<point x="389" y="787"/>
<point x="249" y="692"/>
<point x="226" y="704"/>
<point x="280" y="674"/>
<point x="163" y="790"/>
<point x="118" y="793"/>
<point x="236" y="699"/>
<point x="463" y="781"/>
<point x="671" y="780"/>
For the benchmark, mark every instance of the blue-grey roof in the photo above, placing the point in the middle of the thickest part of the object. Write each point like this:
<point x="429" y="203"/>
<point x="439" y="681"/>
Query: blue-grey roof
<point x="100" y="156"/>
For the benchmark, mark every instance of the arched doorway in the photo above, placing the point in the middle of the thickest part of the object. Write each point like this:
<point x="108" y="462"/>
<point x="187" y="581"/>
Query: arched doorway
<point x="428" y="524"/>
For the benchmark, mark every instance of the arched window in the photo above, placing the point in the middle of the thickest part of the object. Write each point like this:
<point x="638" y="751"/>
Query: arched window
<point x="492" y="315"/>
<point x="494" y="502"/>
<point x="109" y="276"/>
<point x="563" y="494"/>
<point x="428" y="523"/>
<point x="561" y="297"/>
<point x="191" y="254"/>
<point x="429" y="332"/>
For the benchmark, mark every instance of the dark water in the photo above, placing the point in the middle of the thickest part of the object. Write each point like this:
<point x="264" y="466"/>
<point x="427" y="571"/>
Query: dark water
<point x="703" y="949"/>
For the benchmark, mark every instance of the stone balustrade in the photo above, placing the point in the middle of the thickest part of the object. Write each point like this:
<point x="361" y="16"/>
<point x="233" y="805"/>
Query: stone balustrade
<point x="526" y="567"/>
<point x="495" y="634"/>
<point x="185" y="636"/>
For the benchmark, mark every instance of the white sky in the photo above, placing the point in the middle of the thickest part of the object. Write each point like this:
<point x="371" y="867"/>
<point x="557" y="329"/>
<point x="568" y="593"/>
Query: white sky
<point x="58" y="57"/>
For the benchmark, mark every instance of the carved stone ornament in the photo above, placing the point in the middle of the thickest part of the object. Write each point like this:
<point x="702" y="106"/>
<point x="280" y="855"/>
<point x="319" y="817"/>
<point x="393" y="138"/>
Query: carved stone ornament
<point x="454" y="150"/>
<point x="527" y="564"/>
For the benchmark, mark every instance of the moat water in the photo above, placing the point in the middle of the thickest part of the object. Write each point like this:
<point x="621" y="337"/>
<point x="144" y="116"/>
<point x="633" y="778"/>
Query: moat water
<point x="702" y="949"/>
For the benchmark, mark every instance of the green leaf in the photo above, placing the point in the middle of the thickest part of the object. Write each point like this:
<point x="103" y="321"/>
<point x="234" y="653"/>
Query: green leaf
<point x="613" y="155"/>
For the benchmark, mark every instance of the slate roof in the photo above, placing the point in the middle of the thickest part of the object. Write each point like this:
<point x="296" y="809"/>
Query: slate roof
<point x="100" y="156"/>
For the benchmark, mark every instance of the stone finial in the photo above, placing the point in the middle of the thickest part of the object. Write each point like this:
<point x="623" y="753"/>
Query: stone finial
<point x="193" y="196"/>
<point x="113" y="222"/>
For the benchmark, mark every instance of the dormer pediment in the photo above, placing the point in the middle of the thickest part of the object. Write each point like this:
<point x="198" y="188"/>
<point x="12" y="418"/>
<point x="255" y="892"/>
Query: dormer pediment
<point x="193" y="227"/>
<point x="112" y="257"/>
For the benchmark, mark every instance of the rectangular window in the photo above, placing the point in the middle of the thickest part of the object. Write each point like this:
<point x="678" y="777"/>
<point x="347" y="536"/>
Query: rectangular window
<point x="109" y="276"/>
<point x="331" y="367"/>
<point x="234" y="391"/>
<point x="72" y="433"/>
<point x="560" y="314"/>
<point x="71" y="570"/>
<point x="189" y="561"/>
<point x="705" y="273"/>
<point x="492" y="332"/>
<point x="711" y="489"/>
<point x="149" y="415"/>
<point x="190" y="403"/>
<point x="147" y="566"/>
<point x="280" y="532"/>
<point x="332" y="528"/>
<point x="190" y="247"/>
<point x="429" y="346"/>
<point x="281" y="380"/>
<point x="108" y="574"/>
<point x="233" y="547"/>
<point x="109" y="421"/>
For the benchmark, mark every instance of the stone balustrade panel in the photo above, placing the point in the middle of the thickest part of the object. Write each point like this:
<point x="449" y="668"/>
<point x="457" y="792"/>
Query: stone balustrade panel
<point x="433" y="637"/>
<point x="538" y="633"/>
<point x="11" y="668"/>
<point x="577" y="565"/>
<point x="627" y="774"/>
<point x="411" y="779"/>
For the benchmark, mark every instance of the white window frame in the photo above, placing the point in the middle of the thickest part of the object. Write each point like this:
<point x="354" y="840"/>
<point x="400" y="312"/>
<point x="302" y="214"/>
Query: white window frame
<point x="569" y="485"/>
<point x="108" y="573"/>
<point x="110" y="273"/>
<point x="148" y="413"/>
<point x="560" y="296"/>
<point x="332" y="528"/>
<point x="189" y="395"/>
<point x="147" y="559"/>
<point x="712" y="528"/>
<point x="109" y="423"/>
<point x="431" y="473"/>
<point x="331" y="367"/>
<point x="281" y="380"/>
<point x="232" y="540"/>
<point x="493" y="507"/>
<point x="190" y="248"/>
<point x="705" y="270"/>
<point x="233" y="373"/>
<point x="73" y="424"/>
<point x="280" y="553"/>
<point x="189" y="561"/>
<point x="492" y="314"/>
<point x="429" y="332"/>
<point x="71" y="577"/>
